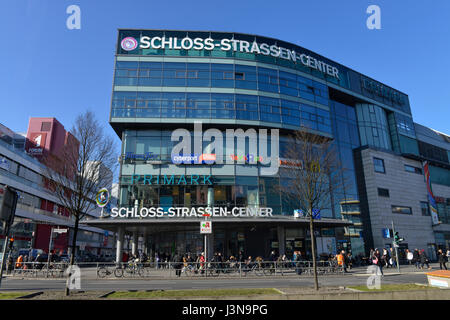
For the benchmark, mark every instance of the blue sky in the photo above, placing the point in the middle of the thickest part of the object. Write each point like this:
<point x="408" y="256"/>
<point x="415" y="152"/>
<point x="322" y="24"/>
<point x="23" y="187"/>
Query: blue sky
<point x="49" y="70"/>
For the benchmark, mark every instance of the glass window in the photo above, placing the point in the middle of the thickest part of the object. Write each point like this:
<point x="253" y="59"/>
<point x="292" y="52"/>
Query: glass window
<point x="383" y="192"/>
<point x="425" y="208"/>
<point x="413" y="169"/>
<point x="378" y="165"/>
<point x="401" y="210"/>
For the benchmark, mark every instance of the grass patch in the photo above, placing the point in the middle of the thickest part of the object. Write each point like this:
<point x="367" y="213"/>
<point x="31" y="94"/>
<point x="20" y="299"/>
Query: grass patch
<point x="12" y="295"/>
<point x="190" y="293"/>
<point x="394" y="287"/>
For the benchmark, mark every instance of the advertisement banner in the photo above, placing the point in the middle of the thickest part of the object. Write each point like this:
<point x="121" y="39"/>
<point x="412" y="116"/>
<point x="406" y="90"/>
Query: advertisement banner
<point x="431" y="198"/>
<point x="4" y="163"/>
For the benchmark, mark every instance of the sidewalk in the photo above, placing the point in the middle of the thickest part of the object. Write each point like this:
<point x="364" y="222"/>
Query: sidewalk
<point x="161" y="274"/>
<point x="404" y="269"/>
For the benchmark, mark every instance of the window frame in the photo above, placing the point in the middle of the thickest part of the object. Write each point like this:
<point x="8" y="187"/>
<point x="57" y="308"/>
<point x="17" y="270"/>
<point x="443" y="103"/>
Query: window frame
<point x="375" y="167"/>
<point x="384" y="196"/>
<point x="428" y="214"/>
<point x="403" y="207"/>
<point x="415" y="170"/>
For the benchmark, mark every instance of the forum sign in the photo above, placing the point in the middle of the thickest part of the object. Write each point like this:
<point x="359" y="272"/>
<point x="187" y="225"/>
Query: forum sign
<point x="129" y="44"/>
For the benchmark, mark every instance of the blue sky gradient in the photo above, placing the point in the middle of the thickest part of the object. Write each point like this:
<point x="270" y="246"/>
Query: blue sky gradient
<point x="50" y="71"/>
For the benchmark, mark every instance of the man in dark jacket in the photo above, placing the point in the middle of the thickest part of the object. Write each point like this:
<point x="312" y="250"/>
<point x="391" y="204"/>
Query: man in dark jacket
<point x="442" y="259"/>
<point x="424" y="259"/>
<point x="416" y="258"/>
<point x="177" y="264"/>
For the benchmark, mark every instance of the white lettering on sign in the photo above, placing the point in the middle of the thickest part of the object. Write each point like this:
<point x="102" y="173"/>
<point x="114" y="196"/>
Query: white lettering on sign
<point x="184" y="212"/>
<point x="146" y="42"/>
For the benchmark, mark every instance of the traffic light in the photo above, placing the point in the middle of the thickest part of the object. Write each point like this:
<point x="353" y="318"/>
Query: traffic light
<point x="397" y="238"/>
<point x="8" y="204"/>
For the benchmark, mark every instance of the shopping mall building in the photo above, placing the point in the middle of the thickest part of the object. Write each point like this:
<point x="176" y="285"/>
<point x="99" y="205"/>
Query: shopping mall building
<point x="179" y="95"/>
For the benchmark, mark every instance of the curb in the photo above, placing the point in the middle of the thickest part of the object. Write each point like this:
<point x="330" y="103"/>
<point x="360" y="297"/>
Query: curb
<point x="28" y="296"/>
<point x="106" y="294"/>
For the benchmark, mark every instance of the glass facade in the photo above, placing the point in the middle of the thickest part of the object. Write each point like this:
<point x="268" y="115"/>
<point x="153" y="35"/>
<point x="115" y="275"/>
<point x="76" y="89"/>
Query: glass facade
<point x="156" y="90"/>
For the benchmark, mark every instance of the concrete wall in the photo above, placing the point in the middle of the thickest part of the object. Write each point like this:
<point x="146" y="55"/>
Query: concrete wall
<point x="405" y="189"/>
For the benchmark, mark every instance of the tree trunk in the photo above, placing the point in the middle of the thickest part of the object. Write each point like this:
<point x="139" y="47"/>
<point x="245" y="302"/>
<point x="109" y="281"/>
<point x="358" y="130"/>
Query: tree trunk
<point x="313" y="249"/>
<point x="74" y="249"/>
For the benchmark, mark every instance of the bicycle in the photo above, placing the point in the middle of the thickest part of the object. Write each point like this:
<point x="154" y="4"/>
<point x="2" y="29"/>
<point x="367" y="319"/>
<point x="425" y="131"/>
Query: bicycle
<point x="131" y="269"/>
<point x="254" y="268"/>
<point x="213" y="270"/>
<point x="103" y="272"/>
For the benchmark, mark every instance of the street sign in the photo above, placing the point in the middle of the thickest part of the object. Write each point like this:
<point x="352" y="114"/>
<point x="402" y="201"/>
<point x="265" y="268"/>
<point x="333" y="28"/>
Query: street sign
<point x="205" y="227"/>
<point x="60" y="230"/>
<point x="298" y="213"/>
<point x="387" y="233"/>
<point x="316" y="214"/>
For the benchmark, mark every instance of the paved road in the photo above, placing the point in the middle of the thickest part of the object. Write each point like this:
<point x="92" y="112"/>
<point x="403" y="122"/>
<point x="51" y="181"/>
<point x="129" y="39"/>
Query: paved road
<point x="355" y="278"/>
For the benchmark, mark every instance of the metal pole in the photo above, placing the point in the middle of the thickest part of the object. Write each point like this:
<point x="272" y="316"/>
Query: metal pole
<point x="5" y="246"/>
<point x="49" y="249"/>
<point x="3" y="259"/>
<point x="395" y="247"/>
<point x="206" y="264"/>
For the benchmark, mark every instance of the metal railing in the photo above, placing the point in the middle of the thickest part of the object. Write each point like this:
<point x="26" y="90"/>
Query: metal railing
<point x="150" y="270"/>
<point x="37" y="269"/>
<point x="214" y="269"/>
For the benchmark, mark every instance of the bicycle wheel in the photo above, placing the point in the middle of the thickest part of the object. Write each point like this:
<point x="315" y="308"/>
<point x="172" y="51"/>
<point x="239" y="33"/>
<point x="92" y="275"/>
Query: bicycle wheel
<point x="189" y="271"/>
<point x="259" y="271"/>
<point x="102" y="272"/>
<point x="140" y="271"/>
<point x="269" y="271"/>
<point x="118" y="272"/>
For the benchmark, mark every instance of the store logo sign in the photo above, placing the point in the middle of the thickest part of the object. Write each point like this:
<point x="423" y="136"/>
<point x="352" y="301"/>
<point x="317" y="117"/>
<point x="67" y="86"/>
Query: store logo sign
<point x="249" y="158"/>
<point x="129" y="44"/>
<point x="171" y="179"/>
<point x="204" y="158"/>
<point x="145" y="156"/>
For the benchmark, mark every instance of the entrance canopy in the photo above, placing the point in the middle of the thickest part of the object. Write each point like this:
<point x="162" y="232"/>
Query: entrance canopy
<point x="149" y="226"/>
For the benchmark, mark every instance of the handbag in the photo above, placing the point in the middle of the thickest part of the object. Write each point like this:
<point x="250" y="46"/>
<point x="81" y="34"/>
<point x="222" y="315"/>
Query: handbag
<point x="375" y="261"/>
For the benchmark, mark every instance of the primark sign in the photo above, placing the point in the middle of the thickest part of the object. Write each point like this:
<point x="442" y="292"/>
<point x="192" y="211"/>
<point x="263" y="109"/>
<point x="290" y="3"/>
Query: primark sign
<point x="226" y="45"/>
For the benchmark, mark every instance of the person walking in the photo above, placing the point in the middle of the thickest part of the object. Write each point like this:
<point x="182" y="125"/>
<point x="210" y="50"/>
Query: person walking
<point x="385" y="258"/>
<point x="393" y="260"/>
<point x="177" y="264"/>
<point x="371" y="253"/>
<point x="297" y="261"/>
<point x="424" y="259"/>
<point x="341" y="260"/>
<point x="377" y="261"/>
<point x="416" y="258"/>
<point x="442" y="259"/>
<point x="409" y="256"/>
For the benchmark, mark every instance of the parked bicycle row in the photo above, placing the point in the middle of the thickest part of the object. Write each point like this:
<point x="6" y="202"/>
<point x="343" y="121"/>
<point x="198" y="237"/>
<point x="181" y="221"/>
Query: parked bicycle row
<point x="38" y="269"/>
<point x="214" y="269"/>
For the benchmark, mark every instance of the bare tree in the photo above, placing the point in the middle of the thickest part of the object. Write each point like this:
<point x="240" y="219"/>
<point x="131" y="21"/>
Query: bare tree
<point x="314" y="173"/>
<point x="77" y="171"/>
